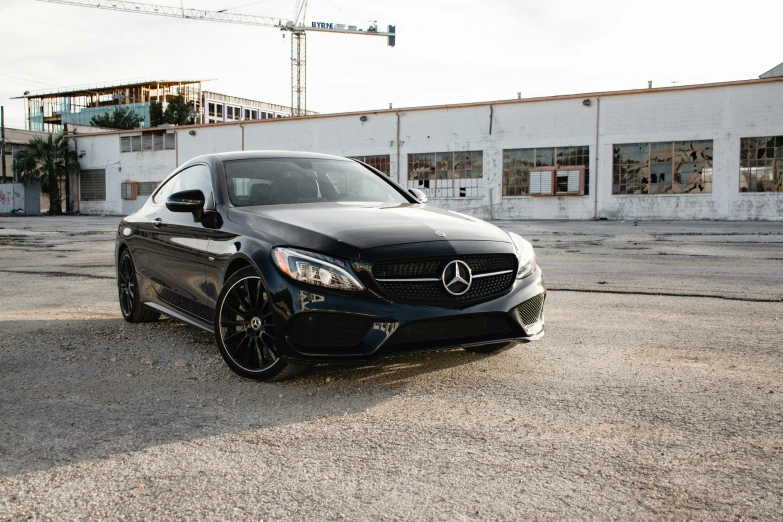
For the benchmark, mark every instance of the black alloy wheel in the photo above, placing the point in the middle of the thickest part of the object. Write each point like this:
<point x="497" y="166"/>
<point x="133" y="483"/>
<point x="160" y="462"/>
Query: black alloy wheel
<point x="245" y="330"/>
<point x="133" y="310"/>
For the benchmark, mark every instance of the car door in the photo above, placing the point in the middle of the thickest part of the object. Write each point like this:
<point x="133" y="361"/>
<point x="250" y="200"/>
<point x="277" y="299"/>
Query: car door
<point x="142" y="244"/>
<point x="181" y="248"/>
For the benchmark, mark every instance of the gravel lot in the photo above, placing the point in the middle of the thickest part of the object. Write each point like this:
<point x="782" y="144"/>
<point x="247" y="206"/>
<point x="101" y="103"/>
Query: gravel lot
<point x="656" y="394"/>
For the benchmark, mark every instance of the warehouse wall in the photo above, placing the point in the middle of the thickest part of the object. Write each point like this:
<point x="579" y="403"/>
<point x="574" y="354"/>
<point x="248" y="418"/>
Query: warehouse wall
<point x="103" y="152"/>
<point x="723" y="114"/>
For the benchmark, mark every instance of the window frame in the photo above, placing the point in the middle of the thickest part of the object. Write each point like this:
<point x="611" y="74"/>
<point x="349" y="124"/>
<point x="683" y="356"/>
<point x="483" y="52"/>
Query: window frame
<point x="777" y="164"/>
<point x="552" y="162"/>
<point x="129" y="185"/>
<point x="617" y="168"/>
<point x="435" y="174"/>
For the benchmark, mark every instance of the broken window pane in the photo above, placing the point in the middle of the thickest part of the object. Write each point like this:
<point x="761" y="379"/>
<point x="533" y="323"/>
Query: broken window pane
<point x="761" y="164"/>
<point x="663" y="167"/>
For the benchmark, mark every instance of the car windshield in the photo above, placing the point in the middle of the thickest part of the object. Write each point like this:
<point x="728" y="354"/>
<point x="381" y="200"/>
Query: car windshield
<point x="276" y="181"/>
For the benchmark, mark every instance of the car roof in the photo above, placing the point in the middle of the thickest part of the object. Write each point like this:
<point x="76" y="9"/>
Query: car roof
<point x="261" y="154"/>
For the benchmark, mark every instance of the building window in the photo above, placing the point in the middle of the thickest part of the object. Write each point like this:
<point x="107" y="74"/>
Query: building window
<point x="219" y="111"/>
<point x="761" y="164"/>
<point x="381" y="162"/>
<point x="146" y="188"/>
<point x="254" y="114"/>
<point x="92" y="184"/>
<point x="148" y="141"/>
<point x="680" y="167"/>
<point x="211" y="109"/>
<point x="233" y="113"/>
<point x="128" y="190"/>
<point x="130" y="143"/>
<point x="546" y="171"/>
<point x="447" y="174"/>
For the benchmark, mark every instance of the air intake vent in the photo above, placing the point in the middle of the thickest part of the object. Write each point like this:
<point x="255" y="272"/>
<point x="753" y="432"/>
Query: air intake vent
<point x="529" y="312"/>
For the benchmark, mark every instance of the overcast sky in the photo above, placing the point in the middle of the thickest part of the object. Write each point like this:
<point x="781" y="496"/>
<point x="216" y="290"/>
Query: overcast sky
<point x="447" y="51"/>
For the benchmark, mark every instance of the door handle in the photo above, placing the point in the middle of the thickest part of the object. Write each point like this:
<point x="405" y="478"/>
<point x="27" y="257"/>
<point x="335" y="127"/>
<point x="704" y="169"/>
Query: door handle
<point x="157" y="223"/>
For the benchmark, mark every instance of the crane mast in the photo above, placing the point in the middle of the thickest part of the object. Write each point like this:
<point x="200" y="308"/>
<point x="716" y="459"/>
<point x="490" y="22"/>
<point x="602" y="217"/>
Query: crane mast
<point x="296" y="26"/>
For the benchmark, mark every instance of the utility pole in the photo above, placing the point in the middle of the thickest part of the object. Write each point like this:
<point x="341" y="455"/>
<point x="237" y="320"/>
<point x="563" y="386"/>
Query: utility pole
<point x="2" y="142"/>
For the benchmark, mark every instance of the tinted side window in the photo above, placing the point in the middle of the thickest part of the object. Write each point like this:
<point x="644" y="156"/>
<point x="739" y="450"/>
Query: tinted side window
<point x="196" y="177"/>
<point x="165" y="191"/>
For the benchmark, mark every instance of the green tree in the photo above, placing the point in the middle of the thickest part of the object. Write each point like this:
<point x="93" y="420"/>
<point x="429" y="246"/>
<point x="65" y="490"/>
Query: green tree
<point x="47" y="161"/>
<point x="156" y="114"/>
<point x="179" y="112"/>
<point x="121" y="118"/>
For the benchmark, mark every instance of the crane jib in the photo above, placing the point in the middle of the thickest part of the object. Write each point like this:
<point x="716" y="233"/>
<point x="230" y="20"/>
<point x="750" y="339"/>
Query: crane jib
<point x="295" y="26"/>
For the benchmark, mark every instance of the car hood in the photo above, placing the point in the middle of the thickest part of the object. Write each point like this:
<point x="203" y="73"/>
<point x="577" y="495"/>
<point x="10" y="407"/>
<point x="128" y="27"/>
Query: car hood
<point x="349" y="228"/>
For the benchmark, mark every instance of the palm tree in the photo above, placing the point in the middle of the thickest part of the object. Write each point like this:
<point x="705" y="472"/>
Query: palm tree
<point x="46" y="161"/>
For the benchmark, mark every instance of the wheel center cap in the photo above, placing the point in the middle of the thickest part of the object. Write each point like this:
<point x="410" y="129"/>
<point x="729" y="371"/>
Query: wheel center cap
<point x="255" y="323"/>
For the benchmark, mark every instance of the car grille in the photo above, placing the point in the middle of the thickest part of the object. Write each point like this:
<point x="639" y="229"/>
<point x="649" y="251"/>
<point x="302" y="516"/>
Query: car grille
<point x="328" y="330"/>
<point x="463" y="329"/>
<point x="433" y="292"/>
<point x="433" y="266"/>
<point x="529" y="312"/>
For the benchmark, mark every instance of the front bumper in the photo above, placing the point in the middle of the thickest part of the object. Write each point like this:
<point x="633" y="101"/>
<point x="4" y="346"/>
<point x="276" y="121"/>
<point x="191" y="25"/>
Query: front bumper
<point x="316" y="325"/>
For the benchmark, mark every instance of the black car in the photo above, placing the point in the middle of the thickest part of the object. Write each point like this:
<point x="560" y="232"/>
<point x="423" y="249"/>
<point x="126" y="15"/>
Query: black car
<point x="298" y="258"/>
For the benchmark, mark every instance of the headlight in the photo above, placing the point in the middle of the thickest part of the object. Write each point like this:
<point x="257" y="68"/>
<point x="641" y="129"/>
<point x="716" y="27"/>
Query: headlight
<point x="525" y="254"/>
<point x="316" y="269"/>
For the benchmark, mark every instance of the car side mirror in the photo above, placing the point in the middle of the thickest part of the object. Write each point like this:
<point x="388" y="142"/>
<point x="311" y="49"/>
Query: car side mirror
<point x="419" y="194"/>
<point x="187" y="201"/>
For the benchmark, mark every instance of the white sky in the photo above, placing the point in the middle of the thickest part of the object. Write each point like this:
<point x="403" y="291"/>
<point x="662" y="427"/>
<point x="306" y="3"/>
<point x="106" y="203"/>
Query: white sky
<point x="447" y="51"/>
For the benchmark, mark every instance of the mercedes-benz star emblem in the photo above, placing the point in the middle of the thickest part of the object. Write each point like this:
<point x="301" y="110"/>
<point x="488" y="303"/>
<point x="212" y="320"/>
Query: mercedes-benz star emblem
<point x="457" y="277"/>
<point x="440" y="234"/>
<point x="255" y="323"/>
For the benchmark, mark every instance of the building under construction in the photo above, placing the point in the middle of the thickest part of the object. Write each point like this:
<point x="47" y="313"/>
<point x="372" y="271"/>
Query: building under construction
<point x="52" y="110"/>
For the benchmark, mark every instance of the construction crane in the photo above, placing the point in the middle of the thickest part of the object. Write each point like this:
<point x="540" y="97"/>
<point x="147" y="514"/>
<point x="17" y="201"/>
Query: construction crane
<point x="296" y="26"/>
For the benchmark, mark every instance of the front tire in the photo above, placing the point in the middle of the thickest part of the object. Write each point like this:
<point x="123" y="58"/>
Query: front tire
<point x="133" y="310"/>
<point x="245" y="332"/>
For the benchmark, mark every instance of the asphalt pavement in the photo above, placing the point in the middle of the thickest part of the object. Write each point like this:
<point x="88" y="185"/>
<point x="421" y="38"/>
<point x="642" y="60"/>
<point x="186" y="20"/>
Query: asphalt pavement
<point x="655" y="394"/>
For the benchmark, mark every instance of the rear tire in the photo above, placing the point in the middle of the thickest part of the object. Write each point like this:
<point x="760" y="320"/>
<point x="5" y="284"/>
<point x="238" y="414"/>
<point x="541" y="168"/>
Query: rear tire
<point x="244" y="329"/>
<point x="490" y="348"/>
<point x="133" y="310"/>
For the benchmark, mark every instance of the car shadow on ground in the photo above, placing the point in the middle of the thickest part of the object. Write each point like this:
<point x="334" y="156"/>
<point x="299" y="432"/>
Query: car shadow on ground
<point x="84" y="389"/>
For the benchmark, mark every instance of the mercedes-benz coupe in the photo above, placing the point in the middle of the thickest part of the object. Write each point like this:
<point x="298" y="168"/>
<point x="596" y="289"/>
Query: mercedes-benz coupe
<point x="295" y="258"/>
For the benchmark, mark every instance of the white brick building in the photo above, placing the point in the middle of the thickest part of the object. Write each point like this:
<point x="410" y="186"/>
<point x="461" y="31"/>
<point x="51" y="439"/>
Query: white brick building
<point x="688" y="152"/>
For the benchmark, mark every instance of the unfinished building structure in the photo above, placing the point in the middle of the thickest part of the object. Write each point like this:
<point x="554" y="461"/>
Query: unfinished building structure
<point x="52" y="110"/>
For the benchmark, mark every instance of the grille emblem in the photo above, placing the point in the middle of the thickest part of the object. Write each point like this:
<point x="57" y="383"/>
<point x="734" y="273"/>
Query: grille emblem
<point x="457" y="277"/>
